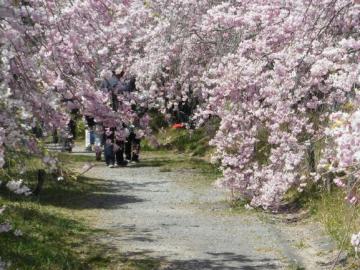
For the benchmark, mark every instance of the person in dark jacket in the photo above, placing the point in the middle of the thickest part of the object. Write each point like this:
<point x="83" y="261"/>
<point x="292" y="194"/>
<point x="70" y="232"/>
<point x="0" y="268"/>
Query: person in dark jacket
<point x="122" y="87"/>
<point x="109" y="147"/>
<point x="120" y="136"/>
<point x="114" y="146"/>
<point x="132" y="147"/>
<point x="112" y="86"/>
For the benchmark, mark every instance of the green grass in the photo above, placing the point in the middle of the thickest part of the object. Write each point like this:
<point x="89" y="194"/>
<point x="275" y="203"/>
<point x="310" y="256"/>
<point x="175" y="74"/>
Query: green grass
<point x="195" y="142"/>
<point x="53" y="238"/>
<point x="66" y="158"/>
<point x="56" y="225"/>
<point x="340" y="219"/>
<point x="56" y="235"/>
<point x="203" y="172"/>
<point x="50" y="240"/>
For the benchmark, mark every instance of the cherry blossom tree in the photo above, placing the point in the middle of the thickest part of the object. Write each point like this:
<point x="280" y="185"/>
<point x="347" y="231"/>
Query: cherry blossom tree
<point x="273" y="72"/>
<point x="54" y="56"/>
<point x="276" y="73"/>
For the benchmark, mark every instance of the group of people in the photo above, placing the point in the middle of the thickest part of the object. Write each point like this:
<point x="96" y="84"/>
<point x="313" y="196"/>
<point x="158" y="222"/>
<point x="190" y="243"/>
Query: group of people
<point x="119" y="152"/>
<point x="119" y="149"/>
<point x="121" y="145"/>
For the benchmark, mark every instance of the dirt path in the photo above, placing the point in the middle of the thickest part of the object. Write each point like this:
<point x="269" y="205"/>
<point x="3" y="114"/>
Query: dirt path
<point x="166" y="215"/>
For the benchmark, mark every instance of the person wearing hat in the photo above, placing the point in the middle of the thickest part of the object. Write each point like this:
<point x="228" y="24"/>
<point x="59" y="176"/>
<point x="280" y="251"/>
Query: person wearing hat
<point x="114" y="147"/>
<point x="112" y="84"/>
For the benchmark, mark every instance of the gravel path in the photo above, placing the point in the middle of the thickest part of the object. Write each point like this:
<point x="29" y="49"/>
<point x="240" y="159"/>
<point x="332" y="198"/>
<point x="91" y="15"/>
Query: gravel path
<point x="164" y="215"/>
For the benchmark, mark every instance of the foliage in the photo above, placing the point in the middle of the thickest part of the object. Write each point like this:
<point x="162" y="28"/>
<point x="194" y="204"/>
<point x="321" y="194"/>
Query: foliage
<point x="195" y="142"/>
<point x="283" y="67"/>
<point x="49" y="233"/>
<point x="340" y="218"/>
<point x="286" y="69"/>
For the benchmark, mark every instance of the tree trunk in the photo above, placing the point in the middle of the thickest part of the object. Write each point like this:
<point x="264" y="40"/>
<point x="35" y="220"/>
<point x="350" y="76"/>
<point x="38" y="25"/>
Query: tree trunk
<point x="41" y="179"/>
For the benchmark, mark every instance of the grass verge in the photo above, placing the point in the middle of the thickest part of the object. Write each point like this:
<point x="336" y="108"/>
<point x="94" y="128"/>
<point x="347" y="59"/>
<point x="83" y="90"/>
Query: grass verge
<point x="193" y="142"/>
<point x="55" y="226"/>
<point x="340" y="219"/>
<point x="202" y="172"/>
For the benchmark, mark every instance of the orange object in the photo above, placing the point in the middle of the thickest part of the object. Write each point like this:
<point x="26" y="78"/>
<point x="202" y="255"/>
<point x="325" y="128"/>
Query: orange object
<point x="178" y="125"/>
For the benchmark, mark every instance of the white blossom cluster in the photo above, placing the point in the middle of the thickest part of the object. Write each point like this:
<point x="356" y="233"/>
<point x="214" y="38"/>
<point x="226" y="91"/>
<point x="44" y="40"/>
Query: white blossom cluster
<point x="7" y="227"/>
<point x="2" y="265"/>
<point x="18" y="187"/>
<point x="355" y="242"/>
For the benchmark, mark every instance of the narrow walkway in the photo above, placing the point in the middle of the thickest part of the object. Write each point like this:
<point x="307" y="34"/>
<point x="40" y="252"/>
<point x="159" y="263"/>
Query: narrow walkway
<point x="158" y="215"/>
<point x="161" y="214"/>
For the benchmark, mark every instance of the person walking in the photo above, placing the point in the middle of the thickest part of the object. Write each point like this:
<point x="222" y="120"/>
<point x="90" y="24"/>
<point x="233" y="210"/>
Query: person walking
<point x="132" y="147"/>
<point x="125" y="87"/>
<point x="115" y="143"/>
<point x="109" y="147"/>
<point x="89" y="133"/>
<point x="112" y="86"/>
<point x="120" y="135"/>
<point x="99" y="141"/>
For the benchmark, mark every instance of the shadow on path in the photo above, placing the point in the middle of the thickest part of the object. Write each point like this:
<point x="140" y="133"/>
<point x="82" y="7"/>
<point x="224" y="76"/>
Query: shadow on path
<point x="84" y="193"/>
<point x="92" y="194"/>
<point x="216" y="261"/>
